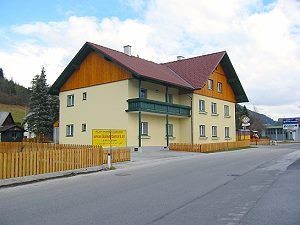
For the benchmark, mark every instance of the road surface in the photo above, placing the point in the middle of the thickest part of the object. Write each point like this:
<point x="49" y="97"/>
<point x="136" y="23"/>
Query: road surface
<point x="254" y="186"/>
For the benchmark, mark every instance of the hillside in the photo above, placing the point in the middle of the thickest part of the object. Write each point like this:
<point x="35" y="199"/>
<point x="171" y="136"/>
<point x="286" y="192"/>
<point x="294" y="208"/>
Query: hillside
<point x="17" y="111"/>
<point x="265" y="119"/>
<point x="12" y="93"/>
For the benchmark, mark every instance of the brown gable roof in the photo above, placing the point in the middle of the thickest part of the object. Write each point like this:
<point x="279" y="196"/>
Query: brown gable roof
<point x="189" y="73"/>
<point x="198" y="69"/>
<point x="143" y="67"/>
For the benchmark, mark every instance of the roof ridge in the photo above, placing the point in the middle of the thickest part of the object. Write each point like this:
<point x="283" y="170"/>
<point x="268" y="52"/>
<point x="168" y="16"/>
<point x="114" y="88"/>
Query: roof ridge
<point x="179" y="76"/>
<point x="123" y="53"/>
<point x="185" y="59"/>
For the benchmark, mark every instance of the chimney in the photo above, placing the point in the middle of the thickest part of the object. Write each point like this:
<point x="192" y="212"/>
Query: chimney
<point x="127" y="50"/>
<point x="180" y="57"/>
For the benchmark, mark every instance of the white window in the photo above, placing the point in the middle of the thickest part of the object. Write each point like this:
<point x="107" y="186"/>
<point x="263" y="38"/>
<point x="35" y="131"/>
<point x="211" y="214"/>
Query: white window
<point x="170" y="98"/>
<point x="70" y="130"/>
<point x="214" y="131"/>
<point x="201" y="105"/>
<point x="170" y="130"/>
<point x="84" y="96"/>
<point x="202" y="130"/>
<point x="214" y="108"/>
<point x="70" y="100"/>
<point x="219" y="87"/>
<point x="226" y="110"/>
<point x="143" y="93"/>
<point x="144" y="128"/>
<point x="226" y="132"/>
<point x="210" y="84"/>
<point x="83" y="127"/>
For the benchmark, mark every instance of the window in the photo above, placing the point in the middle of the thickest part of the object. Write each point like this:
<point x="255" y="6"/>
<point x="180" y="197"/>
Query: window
<point x="214" y="132"/>
<point x="170" y="130"/>
<point x="14" y="135"/>
<point x="210" y="84"/>
<point x="226" y="110"/>
<point x="202" y="130"/>
<point x="84" y="96"/>
<point x="219" y="87"/>
<point x="70" y="130"/>
<point x="143" y="93"/>
<point x="83" y="127"/>
<point x="226" y="132"/>
<point x="201" y="105"/>
<point x="170" y="98"/>
<point x="214" y="108"/>
<point x="145" y="128"/>
<point x="70" y="100"/>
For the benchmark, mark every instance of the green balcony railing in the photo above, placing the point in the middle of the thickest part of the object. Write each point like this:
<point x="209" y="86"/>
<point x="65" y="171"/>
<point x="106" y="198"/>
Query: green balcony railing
<point x="146" y="105"/>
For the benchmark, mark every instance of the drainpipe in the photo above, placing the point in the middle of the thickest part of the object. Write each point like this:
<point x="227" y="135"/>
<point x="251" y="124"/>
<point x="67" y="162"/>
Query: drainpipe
<point x="140" y="117"/>
<point x="192" y="128"/>
<point x="167" y="118"/>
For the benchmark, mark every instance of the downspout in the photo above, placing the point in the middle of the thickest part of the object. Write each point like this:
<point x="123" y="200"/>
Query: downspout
<point x="167" y="118"/>
<point x="192" y="127"/>
<point x="140" y="118"/>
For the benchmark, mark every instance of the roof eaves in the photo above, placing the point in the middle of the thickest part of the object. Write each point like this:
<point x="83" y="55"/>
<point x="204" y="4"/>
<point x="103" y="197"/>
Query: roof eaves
<point x="233" y="79"/>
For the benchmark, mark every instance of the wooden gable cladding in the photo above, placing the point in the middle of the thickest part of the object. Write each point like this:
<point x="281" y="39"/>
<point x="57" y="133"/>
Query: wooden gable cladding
<point x="227" y="93"/>
<point x="95" y="70"/>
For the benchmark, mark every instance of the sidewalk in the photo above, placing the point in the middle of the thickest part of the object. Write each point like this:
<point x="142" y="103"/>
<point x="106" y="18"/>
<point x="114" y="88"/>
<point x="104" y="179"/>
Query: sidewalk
<point x="140" y="159"/>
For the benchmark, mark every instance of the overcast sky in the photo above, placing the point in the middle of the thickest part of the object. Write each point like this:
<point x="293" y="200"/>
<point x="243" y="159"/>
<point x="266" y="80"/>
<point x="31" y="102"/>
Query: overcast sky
<point x="261" y="37"/>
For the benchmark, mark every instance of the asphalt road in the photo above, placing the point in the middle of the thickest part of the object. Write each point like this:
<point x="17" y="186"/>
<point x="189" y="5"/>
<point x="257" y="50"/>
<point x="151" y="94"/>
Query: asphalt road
<point x="253" y="186"/>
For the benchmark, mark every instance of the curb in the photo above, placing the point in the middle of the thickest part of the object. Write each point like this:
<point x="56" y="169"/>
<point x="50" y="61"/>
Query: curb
<point x="17" y="181"/>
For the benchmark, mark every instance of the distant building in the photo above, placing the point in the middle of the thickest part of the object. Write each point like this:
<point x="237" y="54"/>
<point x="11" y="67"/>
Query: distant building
<point x="287" y="129"/>
<point x="9" y="131"/>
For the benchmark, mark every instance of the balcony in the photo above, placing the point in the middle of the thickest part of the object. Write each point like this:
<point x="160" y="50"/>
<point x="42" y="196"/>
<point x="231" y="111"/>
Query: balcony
<point x="146" y="105"/>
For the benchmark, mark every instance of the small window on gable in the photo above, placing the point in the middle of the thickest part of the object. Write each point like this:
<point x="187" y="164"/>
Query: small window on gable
<point x="219" y="87"/>
<point x="210" y="84"/>
<point x="84" y="96"/>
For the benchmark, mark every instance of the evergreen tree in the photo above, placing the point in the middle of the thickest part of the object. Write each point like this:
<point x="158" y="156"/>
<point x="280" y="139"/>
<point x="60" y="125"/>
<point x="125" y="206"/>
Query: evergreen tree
<point x="1" y="73"/>
<point x="39" y="118"/>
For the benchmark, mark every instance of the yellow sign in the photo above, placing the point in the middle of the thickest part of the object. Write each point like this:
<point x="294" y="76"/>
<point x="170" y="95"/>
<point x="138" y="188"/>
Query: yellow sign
<point x="110" y="138"/>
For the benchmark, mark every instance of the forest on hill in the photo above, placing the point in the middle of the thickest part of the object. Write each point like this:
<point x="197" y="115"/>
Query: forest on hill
<point x="12" y="93"/>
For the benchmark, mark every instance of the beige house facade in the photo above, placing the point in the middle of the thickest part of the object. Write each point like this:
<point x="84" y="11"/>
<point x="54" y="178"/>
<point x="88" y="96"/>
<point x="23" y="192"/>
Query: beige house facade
<point x="187" y="101"/>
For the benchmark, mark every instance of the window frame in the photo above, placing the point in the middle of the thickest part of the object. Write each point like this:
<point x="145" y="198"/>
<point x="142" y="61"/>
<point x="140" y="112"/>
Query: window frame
<point x="143" y="93"/>
<point x="70" y="130"/>
<point x="202" y="130"/>
<point x="170" y="134"/>
<point x="220" y="87"/>
<point x="84" y="96"/>
<point x="214" y="109"/>
<point x="201" y="106"/>
<point x="214" y="131"/>
<point x="227" y="132"/>
<point x="226" y="111"/>
<point x="170" y="98"/>
<point x="83" y="127"/>
<point x="143" y="126"/>
<point x="210" y="84"/>
<point x="70" y="100"/>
